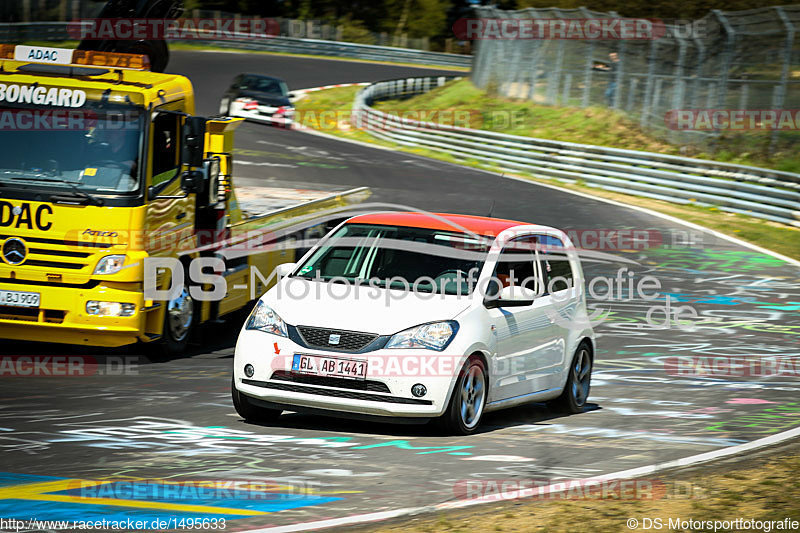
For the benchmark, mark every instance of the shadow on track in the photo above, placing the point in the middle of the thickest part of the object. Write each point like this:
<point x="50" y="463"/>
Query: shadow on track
<point x="515" y="416"/>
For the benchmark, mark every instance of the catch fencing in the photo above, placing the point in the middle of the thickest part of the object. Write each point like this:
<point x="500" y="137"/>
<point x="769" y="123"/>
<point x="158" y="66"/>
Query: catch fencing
<point x="758" y="192"/>
<point x="747" y="60"/>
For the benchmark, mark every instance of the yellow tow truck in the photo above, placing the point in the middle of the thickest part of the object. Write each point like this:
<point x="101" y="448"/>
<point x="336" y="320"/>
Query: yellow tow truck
<point x="105" y="168"/>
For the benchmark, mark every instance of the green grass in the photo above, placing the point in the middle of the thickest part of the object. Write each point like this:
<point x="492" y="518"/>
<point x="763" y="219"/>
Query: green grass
<point x="592" y="125"/>
<point x="765" y="490"/>
<point x="338" y="102"/>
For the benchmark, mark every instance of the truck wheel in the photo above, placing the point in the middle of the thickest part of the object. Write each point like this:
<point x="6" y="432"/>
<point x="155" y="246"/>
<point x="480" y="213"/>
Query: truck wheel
<point x="179" y="322"/>
<point x="463" y="415"/>
<point x="576" y="390"/>
<point x="250" y="412"/>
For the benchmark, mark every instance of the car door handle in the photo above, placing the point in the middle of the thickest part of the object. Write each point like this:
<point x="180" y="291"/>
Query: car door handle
<point x="179" y="216"/>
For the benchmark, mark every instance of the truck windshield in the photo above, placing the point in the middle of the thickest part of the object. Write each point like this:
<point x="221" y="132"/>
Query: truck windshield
<point x="94" y="149"/>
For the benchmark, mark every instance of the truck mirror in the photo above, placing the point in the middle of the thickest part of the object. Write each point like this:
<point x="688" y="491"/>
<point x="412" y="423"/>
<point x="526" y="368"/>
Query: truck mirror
<point x="193" y="181"/>
<point x="194" y="131"/>
<point x="203" y="181"/>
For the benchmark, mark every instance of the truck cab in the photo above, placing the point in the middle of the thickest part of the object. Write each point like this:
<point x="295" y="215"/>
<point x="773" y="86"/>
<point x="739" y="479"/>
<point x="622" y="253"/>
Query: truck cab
<point x="104" y="167"/>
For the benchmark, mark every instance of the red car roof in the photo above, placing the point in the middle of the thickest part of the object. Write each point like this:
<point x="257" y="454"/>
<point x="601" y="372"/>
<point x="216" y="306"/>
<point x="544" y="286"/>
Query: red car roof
<point x="456" y="223"/>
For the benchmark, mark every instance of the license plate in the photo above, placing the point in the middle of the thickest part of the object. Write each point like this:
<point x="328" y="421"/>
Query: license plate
<point x="19" y="299"/>
<point x="329" y="366"/>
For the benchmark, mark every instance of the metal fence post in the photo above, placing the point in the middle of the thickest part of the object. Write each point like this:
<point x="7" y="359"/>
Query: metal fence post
<point x="588" y="67"/>
<point x="620" y="70"/>
<point x="555" y="75"/>
<point x="634" y="84"/>
<point x="780" y="94"/>
<point x="743" y="95"/>
<point x="730" y="40"/>
<point x="648" y="90"/>
<point x="698" y="72"/>
<point x="566" y="90"/>
<point x="516" y="67"/>
<point x="678" y="85"/>
<point x="535" y="67"/>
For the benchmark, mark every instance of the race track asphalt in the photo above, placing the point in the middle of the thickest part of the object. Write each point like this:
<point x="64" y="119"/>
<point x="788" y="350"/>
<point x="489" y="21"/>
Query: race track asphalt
<point x="158" y="424"/>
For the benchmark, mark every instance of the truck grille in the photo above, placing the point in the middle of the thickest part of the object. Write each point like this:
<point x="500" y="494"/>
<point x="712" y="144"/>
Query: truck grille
<point x="349" y="341"/>
<point x="28" y="314"/>
<point x="58" y="257"/>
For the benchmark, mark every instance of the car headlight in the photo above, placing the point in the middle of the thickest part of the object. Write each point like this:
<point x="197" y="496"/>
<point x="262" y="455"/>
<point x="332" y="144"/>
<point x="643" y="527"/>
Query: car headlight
<point x="110" y="264"/>
<point x="263" y="318"/>
<point x="434" y="336"/>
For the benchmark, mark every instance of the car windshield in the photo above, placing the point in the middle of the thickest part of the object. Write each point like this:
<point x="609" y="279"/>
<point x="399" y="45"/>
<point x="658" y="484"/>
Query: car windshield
<point x="265" y="85"/>
<point x="94" y="149"/>
<point x="419" y="259"/>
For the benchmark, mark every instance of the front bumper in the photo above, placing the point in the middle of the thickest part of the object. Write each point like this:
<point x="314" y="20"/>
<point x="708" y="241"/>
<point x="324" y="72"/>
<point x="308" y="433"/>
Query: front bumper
<point x="385" y="392"/>
<point x="61" y="316"/>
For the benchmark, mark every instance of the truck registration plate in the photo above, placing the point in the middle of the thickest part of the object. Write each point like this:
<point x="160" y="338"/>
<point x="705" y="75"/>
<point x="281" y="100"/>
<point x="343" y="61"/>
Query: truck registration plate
<point x="19" y="299"/>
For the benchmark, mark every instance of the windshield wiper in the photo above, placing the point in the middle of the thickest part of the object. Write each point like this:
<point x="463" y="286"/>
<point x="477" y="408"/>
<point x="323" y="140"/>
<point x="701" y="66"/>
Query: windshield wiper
<point x="76" y="193"/>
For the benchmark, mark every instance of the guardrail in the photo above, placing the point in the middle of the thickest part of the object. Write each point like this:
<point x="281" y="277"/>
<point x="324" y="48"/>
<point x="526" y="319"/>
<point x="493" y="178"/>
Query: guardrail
<point x="57" y="31"/>
<point x="758" y="192"/>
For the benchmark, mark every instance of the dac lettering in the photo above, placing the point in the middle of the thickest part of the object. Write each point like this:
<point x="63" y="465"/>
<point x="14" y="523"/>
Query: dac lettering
<point x="23" y="216"/>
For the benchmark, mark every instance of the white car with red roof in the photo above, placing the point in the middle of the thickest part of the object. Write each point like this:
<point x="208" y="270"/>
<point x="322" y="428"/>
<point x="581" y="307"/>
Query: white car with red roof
<point x="415" y="316"/>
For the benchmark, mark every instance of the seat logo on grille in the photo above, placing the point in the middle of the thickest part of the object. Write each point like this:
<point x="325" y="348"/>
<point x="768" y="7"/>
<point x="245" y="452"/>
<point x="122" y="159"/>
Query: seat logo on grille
<point x="14" y="251"/>
<point x="334" y="338"/>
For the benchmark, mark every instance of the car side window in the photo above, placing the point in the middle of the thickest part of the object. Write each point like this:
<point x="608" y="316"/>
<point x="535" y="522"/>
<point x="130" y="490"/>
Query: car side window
<point x="517" y="264"/>
<point x="555" y="264"/>
<point x="165" y="146"/>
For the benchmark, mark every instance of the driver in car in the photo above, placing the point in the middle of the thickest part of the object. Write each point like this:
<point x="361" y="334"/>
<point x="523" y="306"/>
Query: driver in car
<point x="114" y="148"/>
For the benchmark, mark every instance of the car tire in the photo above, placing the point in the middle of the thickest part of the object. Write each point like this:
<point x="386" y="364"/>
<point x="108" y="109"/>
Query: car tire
<point x="576" y="389"/>
<point x="250" y="412"/>
<point x="467" y="402"/>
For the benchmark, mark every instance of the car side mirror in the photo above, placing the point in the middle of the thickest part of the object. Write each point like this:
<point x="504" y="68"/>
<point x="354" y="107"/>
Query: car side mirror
<point x="511" y="296"/>
<point x="284" y="269"/>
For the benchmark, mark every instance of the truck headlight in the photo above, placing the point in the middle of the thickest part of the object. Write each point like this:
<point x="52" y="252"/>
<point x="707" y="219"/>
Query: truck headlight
<point x="433" y="336"/>
<point x="263" y="318"/>
<point x="110" y="264"/>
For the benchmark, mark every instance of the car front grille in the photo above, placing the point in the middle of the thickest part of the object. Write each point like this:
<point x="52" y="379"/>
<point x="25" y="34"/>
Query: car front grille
<point x="335" y="393"/>
<point x="349" y="341"/>
<point x="325" y="381"/>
